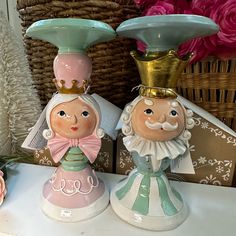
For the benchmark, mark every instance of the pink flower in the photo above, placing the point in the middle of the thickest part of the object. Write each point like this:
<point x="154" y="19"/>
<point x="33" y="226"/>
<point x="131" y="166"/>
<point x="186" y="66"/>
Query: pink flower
<point x="202" y="7"/>
<point x="183" y="7"/>
<point x="3" y="190"/>
<point x="141" y="46"/>
<point x="195" y="46"/>
<point x="160" y="8"/>
<point x="224" y="53"/>
<point x="140" y="2"/>
<point x="210" y="42"/>
<point x="145" y="3"/>
<point x="224" y="14"/>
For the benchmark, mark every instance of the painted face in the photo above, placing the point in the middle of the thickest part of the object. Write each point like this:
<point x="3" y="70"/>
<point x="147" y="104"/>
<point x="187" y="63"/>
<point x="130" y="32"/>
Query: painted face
<point x="74" y="119"/>
<point x="158" y="119"/>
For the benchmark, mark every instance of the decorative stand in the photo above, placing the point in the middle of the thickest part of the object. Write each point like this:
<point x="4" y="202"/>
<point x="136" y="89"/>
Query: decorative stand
<point x="156" y="124"/>
<point x="74" y="192"/>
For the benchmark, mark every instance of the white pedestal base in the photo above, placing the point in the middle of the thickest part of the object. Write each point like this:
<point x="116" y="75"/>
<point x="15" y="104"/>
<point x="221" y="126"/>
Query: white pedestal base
<point x="75" y="214"/>
<point x="155" y="223"/>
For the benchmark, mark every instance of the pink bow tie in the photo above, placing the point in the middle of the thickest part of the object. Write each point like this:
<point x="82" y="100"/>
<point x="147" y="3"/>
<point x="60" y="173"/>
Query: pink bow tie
<point x="90" y="146"/>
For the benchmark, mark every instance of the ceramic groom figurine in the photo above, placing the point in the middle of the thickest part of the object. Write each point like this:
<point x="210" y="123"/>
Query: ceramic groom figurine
<point x="74" y="192"/>
<point x="156" y="128"/>
<point x="155" y="124"/>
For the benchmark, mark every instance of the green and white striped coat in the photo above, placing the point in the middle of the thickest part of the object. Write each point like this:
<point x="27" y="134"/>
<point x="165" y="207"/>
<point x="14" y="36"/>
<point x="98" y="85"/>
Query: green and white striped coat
<point x="147" y="192"/>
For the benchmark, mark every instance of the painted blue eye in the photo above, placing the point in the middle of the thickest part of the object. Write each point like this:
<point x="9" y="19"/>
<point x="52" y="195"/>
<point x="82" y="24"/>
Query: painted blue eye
<point x="85" y="114"/>
<point x="61" y="114"/>
<point x="148" y="112"/>
<point x="173" y="113"/>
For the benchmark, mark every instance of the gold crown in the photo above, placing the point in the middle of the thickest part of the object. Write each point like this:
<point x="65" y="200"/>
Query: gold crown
<point x="74" y="89"/>
<point x="159" y="72"/>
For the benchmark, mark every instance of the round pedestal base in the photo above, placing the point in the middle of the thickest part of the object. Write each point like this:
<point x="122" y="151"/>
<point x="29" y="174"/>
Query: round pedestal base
<point x="155" y="223"/>
<point x="75" y="214"/>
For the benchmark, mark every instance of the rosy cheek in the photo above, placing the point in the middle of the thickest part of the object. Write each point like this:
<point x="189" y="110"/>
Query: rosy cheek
<point x="173" y="120"/>
<point x="87" y="124"/>
<point x="144" y="118"/>
<point x="179" y="121"/>
<point x="59" y="123"/>
<point x="150" y="119"/>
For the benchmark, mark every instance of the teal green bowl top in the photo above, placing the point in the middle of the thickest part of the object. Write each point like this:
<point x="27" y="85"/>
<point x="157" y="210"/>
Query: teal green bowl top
<point x="71" y="34"/>
<point x="164" y="32"/>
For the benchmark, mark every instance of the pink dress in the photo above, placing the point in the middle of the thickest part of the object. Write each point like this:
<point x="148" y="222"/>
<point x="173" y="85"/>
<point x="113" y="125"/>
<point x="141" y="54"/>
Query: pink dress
<point x="74" y="192"/>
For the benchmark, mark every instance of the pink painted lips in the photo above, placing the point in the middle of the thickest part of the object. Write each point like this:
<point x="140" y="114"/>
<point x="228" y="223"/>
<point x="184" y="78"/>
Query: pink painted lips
<point x="74" y="128"/>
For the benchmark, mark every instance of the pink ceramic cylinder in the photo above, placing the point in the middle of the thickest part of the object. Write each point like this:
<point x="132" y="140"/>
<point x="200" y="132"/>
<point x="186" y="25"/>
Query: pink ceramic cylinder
<point x="72" y="66"/>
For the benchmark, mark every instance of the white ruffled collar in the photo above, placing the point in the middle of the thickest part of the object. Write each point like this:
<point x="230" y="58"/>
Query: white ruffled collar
<point x="170" y="149"/>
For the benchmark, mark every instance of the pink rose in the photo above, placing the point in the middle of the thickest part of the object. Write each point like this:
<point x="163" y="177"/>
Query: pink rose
<point x="3" y="190"/>
<point x="183" y="7"/>
<point x="224" y="53"/>
<point x="150" y="3"/>
<point x="160" y="8"/>
<point x="141" y="46"/>
<point x="195" y="46"/>
<point x="202" y="7"/>
<point x="211" y="42"/>
<point x="145" y="3"/>
<point x="224" y="14"/>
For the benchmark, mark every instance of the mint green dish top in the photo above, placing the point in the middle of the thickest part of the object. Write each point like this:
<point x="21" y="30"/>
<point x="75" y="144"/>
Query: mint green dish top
<point x="71" y="35"/>
<point x="164" y="32"/>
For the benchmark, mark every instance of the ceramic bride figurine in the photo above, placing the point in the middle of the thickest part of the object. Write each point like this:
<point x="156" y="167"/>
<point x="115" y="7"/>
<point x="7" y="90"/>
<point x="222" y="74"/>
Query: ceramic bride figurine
<point x="74" y="192"/>
<point x="155" y="124"/>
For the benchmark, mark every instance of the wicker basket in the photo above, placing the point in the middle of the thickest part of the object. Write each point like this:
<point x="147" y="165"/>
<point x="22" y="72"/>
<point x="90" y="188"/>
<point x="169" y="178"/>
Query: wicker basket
<point x="211" y="84"/>
<point x="114" y="73"/>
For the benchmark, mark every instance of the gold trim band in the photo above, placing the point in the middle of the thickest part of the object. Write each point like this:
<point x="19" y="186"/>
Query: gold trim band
<point x="74" y="89"/>
<point x="156" y="92"/>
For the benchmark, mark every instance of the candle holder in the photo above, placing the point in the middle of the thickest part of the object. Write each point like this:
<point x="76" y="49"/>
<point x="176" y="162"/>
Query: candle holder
<point x="156" y="124"/>
<point x="74" y="192"/>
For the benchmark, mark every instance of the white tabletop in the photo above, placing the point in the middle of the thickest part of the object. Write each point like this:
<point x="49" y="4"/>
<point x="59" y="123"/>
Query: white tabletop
<point x="212" y="210"/>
